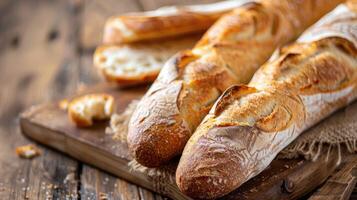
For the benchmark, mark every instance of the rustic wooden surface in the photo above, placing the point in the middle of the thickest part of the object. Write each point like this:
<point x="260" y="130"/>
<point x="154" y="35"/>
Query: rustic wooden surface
<point x="46" y="52"/>
<point x="341" y="184"/>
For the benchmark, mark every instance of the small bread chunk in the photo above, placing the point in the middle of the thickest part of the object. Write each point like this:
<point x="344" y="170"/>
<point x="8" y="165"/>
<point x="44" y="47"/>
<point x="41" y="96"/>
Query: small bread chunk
<point x="136" y="64"/>
<point x="28" y="151"/>
<point x="85" y="109"/>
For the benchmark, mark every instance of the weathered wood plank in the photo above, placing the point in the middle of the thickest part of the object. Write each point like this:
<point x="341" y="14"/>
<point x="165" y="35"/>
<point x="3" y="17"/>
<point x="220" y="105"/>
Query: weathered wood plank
<point x="354" y="194"/>
<point x="95" y="13"/>
<point x="37" y="56"/>
<point x="340" y="185"/>
<point x="96" y="184"/>
<point x="146" y="194"/>
<point x="88" y="74"/>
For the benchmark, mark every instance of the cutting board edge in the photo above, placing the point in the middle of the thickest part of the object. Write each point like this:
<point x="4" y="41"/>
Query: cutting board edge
<point x="32" y="130"/>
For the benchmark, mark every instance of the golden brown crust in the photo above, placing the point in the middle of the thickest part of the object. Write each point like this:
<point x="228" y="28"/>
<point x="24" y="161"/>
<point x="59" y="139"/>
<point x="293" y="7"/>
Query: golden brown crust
<point x="249" y="125"/>
<point x="164" y="22"/>
<point x="148" y="29"/>
<point x="229" y="53"/>
<point x="148" y="147"/>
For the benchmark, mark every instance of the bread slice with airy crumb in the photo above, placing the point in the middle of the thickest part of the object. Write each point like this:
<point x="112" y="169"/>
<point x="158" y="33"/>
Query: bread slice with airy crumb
<point x="133" y="64"/>
<point x="85" y="109"/>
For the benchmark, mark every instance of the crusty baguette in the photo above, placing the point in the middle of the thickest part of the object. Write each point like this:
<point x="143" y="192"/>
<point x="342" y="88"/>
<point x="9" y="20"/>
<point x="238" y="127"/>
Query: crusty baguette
<point x="83" y="110"/>
<point x="249" y="125"/>
<point x="133" y="64"/>
<point x="165" y="22"/>
<point x="190" y="82"/>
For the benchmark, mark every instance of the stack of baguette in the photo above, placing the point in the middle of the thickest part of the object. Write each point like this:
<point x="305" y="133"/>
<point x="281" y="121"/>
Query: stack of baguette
<point x="249" y="125"/>
<point x="229" y="53"/>
<point x="137" y="45"/>
<point x="230" y="132"/>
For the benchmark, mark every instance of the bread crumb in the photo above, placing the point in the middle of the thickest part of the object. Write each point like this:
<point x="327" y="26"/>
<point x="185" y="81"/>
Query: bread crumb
<point x="119" y="122"/>
<point x="85" y="109"/>
<point x="70" y="178"/>
<point x="253" y="190"/>
<point x="28" y="151"/>
<point x="103" y="196"/>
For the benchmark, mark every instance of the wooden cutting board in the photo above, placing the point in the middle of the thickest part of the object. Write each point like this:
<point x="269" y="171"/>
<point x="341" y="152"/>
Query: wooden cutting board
<point x="48" y="124"/>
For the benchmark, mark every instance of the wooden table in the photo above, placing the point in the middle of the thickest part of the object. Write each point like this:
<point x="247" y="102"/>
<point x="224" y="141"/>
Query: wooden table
<point x="46" y="54"/>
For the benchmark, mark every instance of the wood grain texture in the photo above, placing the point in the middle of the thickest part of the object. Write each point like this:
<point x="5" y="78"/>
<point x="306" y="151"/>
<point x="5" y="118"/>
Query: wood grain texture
<point x="28" y="73"/>
<point x="88" y="73"/>
<point x="340" y="185"/>
<point x="97" y="184"/>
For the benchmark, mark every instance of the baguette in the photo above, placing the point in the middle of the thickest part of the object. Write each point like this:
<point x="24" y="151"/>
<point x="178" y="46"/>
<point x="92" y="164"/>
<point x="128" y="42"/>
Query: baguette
<point x="191" y="81"/>
<point x="249" y="125"/>
<point x="133" y="64"/>
<point x="165" y="22"/>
